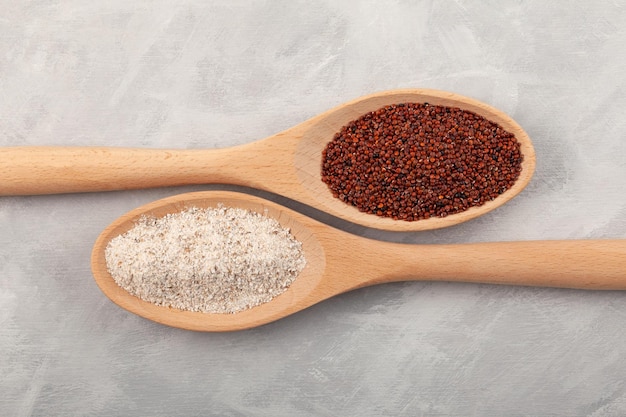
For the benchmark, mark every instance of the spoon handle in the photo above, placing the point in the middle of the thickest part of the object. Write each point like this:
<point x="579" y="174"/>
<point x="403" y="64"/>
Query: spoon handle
<point x="29" y="170"/>
<point x="583" y="264"/>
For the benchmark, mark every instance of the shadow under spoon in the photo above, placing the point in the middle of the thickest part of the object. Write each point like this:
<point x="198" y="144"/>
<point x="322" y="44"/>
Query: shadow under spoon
<point x="338" y="262"/>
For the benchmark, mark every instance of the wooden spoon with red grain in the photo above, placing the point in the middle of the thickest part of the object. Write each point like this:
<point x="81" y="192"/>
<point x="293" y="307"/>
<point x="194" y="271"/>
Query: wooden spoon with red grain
<point x="287" y="163"/>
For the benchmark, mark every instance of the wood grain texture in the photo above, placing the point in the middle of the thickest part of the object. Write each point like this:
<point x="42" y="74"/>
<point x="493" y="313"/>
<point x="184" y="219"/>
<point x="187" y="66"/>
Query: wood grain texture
<point x="338" y="262"/>
<point x="287" y="163"/>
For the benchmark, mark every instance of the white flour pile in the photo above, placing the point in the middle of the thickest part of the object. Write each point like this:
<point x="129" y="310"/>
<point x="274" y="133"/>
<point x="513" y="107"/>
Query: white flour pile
<point x="218" y="260"/>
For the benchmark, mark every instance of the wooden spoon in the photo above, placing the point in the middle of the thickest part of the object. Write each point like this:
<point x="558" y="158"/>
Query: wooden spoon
<point x="338" y="262"/>
<point x="288" y="163"/>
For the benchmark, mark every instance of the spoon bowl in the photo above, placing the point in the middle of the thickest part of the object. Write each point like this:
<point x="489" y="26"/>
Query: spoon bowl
<point x="338" y="262"/>
<point x="288" y="163"/>
<point x="308" y="279"/>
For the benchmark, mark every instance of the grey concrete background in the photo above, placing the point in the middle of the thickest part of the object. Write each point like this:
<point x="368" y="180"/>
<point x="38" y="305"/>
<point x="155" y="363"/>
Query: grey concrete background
<point x="194" y="74"/>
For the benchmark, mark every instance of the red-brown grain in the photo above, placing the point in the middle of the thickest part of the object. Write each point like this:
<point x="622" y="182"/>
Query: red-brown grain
<point x="414" y="161"/>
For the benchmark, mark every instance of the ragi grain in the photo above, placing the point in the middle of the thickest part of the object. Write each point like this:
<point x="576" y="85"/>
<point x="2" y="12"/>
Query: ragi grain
<point x="414" y="161"/>
<point x="217" y="260"/>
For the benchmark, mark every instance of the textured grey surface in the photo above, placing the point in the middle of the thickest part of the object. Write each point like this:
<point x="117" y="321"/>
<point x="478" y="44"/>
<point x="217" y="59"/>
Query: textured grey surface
<point x="193" y="74"/>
